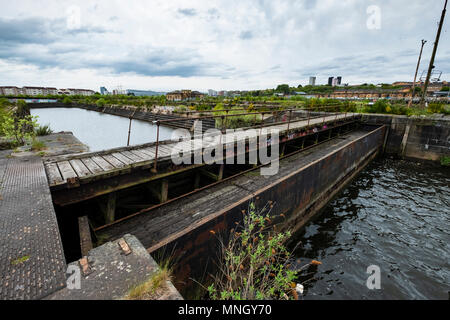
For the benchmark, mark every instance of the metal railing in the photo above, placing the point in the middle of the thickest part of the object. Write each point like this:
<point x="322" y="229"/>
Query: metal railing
<point x="275" y="115"/>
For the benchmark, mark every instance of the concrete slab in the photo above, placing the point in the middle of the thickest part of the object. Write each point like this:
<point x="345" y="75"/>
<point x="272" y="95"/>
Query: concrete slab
<point x="112" y="270"/>
<point x="32" y="263"/>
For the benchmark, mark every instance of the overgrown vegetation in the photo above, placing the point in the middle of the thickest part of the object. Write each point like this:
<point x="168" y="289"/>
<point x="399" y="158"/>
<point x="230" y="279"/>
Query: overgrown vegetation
<point x="43" y="130"/>
<point x="254" y="263"/>
<point x="153" y="286"/>
<point x="445" y="161"/>
<point x="37" y="145"/>
<point x="235" y="121"/>
<point x="19" y="130"/>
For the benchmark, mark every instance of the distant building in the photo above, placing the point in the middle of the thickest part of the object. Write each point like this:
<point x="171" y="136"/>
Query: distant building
<point x="35" y="91"/>
<point x="11" y="91"/>
<point x="103" y="91"/>
<point x="312" y="81"/>
<point x="212" y="93"/>
<point x="339" y="81"/>
<point x="142" y="93"/>
<point x="30" y="91"/>
<point x="43" y="91"/>
<point x="181" y="95"/>
<point x="80" y="92"/>
<point x="330" y="81"/>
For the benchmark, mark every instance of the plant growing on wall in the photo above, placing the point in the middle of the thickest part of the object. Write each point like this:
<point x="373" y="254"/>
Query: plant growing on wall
<point x="255" y="263"/>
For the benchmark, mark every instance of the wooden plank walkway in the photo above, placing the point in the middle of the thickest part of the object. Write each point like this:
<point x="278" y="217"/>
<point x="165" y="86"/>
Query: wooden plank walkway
<point x="89" y="166"/>
<point x="32" y="263"/>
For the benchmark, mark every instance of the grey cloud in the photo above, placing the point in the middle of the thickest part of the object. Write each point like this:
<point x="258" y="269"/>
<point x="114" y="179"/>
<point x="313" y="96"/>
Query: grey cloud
<point x="40" y="31"/>
<point x="188" y="12"/>
<point x="246" y="35"/>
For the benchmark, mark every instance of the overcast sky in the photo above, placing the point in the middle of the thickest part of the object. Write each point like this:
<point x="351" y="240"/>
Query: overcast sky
<point x="232" y="44"/>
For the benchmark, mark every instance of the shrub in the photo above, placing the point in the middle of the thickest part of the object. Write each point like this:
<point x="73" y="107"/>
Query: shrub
<point x="255" y="263"/>
<point x="378" y="107"/>
<point x="100" y="102"/>
<point x="445" y="161"/>
<point x="436" y="107"/>
<point x="18" y="129"/>
<point x="67" y="101"/>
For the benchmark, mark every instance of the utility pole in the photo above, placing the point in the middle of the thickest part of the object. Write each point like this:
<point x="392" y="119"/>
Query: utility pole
<point x="436" y="43"/>
<point x="415" y="76"/>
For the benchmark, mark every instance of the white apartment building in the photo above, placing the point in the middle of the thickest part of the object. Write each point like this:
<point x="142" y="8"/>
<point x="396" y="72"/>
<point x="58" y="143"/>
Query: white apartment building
<point x="35" y="91"/>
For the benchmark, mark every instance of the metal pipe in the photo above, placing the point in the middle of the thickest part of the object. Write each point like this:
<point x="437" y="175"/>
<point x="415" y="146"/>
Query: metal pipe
<point x="157" y="146"/>
<point x="129" y="132"/>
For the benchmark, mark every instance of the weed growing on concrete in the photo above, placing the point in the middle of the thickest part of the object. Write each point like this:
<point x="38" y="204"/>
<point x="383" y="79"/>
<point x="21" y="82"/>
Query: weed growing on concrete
<point x="255" y="263"/>
<point x="153" y="285"/>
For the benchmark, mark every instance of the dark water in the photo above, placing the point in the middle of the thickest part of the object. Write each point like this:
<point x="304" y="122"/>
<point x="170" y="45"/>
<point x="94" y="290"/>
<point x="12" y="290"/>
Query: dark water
<point x="395" y="215"/>
<point x="99" y="131"/>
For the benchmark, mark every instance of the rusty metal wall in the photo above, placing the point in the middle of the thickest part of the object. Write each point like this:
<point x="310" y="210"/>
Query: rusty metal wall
<point x="299" y="196"/>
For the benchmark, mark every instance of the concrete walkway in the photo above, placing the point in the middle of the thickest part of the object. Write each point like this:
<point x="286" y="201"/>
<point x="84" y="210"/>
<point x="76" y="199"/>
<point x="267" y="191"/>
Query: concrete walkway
<point x="32" y="263"/>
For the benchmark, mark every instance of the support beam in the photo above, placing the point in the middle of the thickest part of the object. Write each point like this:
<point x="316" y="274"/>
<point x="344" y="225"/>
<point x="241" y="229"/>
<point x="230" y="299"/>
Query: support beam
<point x="160" y="190"/>
<point x="85" y="235"/>
<point x="215" y="177"/>
<point x="108" y="207"/>
<point x="197" y="180"/>
<point x="164" y="190"/>
<point x="221" y="169"/>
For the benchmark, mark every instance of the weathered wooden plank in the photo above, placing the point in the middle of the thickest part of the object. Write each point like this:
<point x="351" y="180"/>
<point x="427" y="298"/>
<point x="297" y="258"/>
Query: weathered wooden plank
<point x="122" y="158"/>
<point x="150" y="154"/>
<point x="105" y="165"/>
<point x="163" y="151"/>
<point x="53" y="174"/>
<point x="114" y="161"/>
<point x="131" y="156"/>
<point x="141" y="154"/>
<point x="80" y="168"/>
<point x="66" y="170"/>
<point x="91" y="165"/>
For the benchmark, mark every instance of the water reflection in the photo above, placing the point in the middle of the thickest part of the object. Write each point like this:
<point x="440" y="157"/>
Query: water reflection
<point x="98" y="130"/>
<point x="394" y="215"/>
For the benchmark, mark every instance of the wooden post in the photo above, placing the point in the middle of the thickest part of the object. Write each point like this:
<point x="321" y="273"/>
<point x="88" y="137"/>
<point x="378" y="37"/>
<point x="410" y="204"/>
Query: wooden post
<point x="220" y="177"/>
<point x="109" y="208"/>
<point x="197" y="180"/>
<point x="164" y="190"/>
<point x="85" y="235"/>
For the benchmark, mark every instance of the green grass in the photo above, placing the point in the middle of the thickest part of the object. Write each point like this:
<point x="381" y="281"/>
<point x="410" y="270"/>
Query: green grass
<point x="37" y="145"/>
<point x="43" y="130"/>
<point x="149" y="289"/>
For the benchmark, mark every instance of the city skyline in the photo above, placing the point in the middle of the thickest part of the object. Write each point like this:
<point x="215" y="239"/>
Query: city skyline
<point x="215" y="45"/>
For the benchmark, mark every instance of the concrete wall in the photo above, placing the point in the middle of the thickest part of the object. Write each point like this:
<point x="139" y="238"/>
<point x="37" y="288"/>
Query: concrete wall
<point x="421" y="138"/>
<point x="299" y="196"/>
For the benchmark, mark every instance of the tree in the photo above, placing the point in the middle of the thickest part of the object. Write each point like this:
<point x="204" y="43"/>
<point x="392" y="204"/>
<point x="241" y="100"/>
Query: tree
<point x="67" y="101"/>
<point x="284" y="88"/>
<point x="100" y="102"/>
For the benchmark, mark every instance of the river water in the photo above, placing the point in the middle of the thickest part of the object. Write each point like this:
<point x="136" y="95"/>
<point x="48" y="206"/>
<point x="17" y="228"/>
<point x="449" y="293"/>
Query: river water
<point x="395" y="215"/>
<point x="99" y="131"/>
